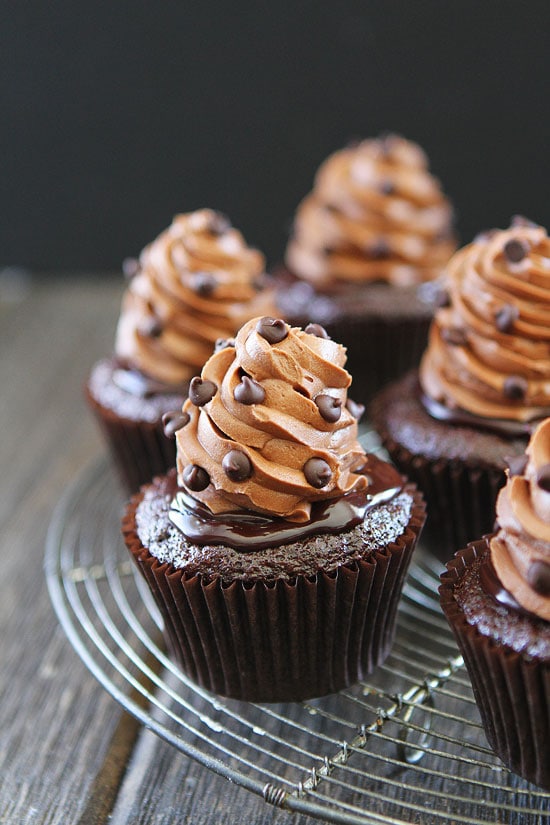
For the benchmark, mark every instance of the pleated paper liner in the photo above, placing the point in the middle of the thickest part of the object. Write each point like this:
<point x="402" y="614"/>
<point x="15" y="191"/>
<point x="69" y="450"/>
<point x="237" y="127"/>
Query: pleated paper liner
<point x="379" y="350"/>
<point x="460" y="491"/>
<point x="280" y="640"/>
<point x="512" y="690"/>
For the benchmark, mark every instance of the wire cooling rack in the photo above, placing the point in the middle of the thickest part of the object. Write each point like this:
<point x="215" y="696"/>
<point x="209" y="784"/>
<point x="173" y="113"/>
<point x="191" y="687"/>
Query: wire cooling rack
<point x="405" y="746"/>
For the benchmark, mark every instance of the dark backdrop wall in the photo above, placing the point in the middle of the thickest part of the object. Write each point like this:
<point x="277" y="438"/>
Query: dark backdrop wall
<point x="118" y="114"/>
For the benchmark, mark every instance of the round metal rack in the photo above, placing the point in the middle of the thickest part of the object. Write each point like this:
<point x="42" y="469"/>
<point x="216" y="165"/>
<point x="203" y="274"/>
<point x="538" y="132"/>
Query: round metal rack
<point x="406" y="746"/>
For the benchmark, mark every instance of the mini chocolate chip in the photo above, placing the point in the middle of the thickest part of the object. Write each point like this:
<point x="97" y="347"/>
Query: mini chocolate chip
<point x="543" y="477"/>
<point x="505" y="317"/>
<point x="330" y="408"/>
<point x="222" y="343"/>
<point x="195" y="478"/>
<point x="387" y="142"/>
<point x="203" y="283"/>
<point x="249" y="391"/>
<point x="150" y="327"/>
<point x="538" y="576"/>
<point x="219" y="223"/>
<point x="516" y="464"/>
<point x="201" y="391"/>
<point x="317" y="330"/>
<point x="274" y="330"/>
<point x="515" y="387"/>
<point x="515" y="250"/>
<point x="130" y="267"/>
<point x="521" y="220"/>
<point x="237" y="465"/>
<point x="317" y="472"/>
<point x="387" y="187"/>
<point x="173" y="421"/>
<point x="355" y="409"/>
<point x="454" y="336"/>
<point x="379" y="250"/>
<point x="441" y="297"/>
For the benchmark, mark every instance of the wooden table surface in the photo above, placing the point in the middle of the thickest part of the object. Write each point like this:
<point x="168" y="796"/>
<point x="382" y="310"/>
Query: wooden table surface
<point x="69" y="753"/>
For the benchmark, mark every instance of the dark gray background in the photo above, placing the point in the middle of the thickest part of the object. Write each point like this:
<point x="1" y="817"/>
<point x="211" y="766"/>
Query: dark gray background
<point x="118" y="114"/>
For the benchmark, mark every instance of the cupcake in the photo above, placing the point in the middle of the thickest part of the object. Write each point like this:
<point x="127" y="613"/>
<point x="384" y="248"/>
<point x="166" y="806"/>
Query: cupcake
<point x="276" y="551"/>
<point x="483" y="382"/>
<point x="496" y="597"/>
<point x="367" y="242"/>
<point x="197" y="282"/>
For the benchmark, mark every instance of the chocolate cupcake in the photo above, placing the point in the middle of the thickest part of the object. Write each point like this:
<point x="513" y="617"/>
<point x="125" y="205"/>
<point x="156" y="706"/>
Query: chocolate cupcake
<point x="277" y="552"/>
<point x="197" y="282"/>
<point x="496" y="597"/>
<point x="367" y="242"/>
<point x="483" y="383"/>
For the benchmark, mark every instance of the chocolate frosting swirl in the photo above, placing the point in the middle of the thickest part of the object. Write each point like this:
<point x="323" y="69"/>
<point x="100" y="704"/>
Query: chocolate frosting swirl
<point x="197" y="282"/>
<point x="375" y="213"/>
<point x="489" y="348"/>
<point x="520" y="551"/>
<point x="277" y="449"/>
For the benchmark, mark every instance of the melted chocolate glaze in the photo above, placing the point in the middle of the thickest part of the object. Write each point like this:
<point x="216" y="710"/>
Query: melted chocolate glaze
<point x="500" y="426"/>
<point x="248" y="531"/>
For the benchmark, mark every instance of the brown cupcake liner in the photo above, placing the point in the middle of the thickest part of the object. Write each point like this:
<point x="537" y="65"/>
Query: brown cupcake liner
<point x="379" y="350"/>
<point x="139" y="449"/>
<point x="512" y="691"/>
<point x="460" y="497"/>
<point x="274" y="641"/>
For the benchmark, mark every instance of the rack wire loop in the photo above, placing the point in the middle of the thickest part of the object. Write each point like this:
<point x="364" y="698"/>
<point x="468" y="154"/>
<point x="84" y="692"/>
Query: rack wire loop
<point x="405" y="746"/>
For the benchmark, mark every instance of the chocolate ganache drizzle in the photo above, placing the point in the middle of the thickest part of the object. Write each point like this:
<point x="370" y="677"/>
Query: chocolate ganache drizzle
<point x="197" y="282"/>
<point x="269" y="451"/>
<point x="488" y="357"/>
<point x="518" y="570"/>
<point x="375" y="214"/>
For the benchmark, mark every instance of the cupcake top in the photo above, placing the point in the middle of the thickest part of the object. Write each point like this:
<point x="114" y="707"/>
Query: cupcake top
<point x="375" y="214"/>
<point x="488" y="357"/>
<point x="520" y="551"/>
<point x="197" y="282"/>
<point x="268" y="427"/>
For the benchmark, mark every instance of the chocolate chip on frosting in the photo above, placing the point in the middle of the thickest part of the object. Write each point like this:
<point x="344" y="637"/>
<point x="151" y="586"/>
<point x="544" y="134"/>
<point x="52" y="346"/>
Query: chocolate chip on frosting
<point x="543" y="477"/>
<point x="201" y="391"/>
<point x="150" y="327"/>
<point x="516" y="464"/>
<point x="219" y="223"/>
<point x="379" y="250"/>
<point x="222" y="343"/>
<point x="203" y="283"/>
<point x="173" y="421"/>
<point x="330" y="408"/>
<point x="195" y="478"/>
<point x="317" y="330"/>
<point x="130" y="267"/>
<point x="505" y="317"/>
<point x="249" y="391"/>
<point x="538" y="576"/>
<point x="355" y="409"/>
<point x="237" y="465"/>
<point x="516" y="250"/>
<point x="441" y="297"/>
<point x="515" y="387"/>
<point x="455" y="336"/>
<point x="387" y="187"/>
<point x="274" y="330"/>
<point x="317" y="472"/>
